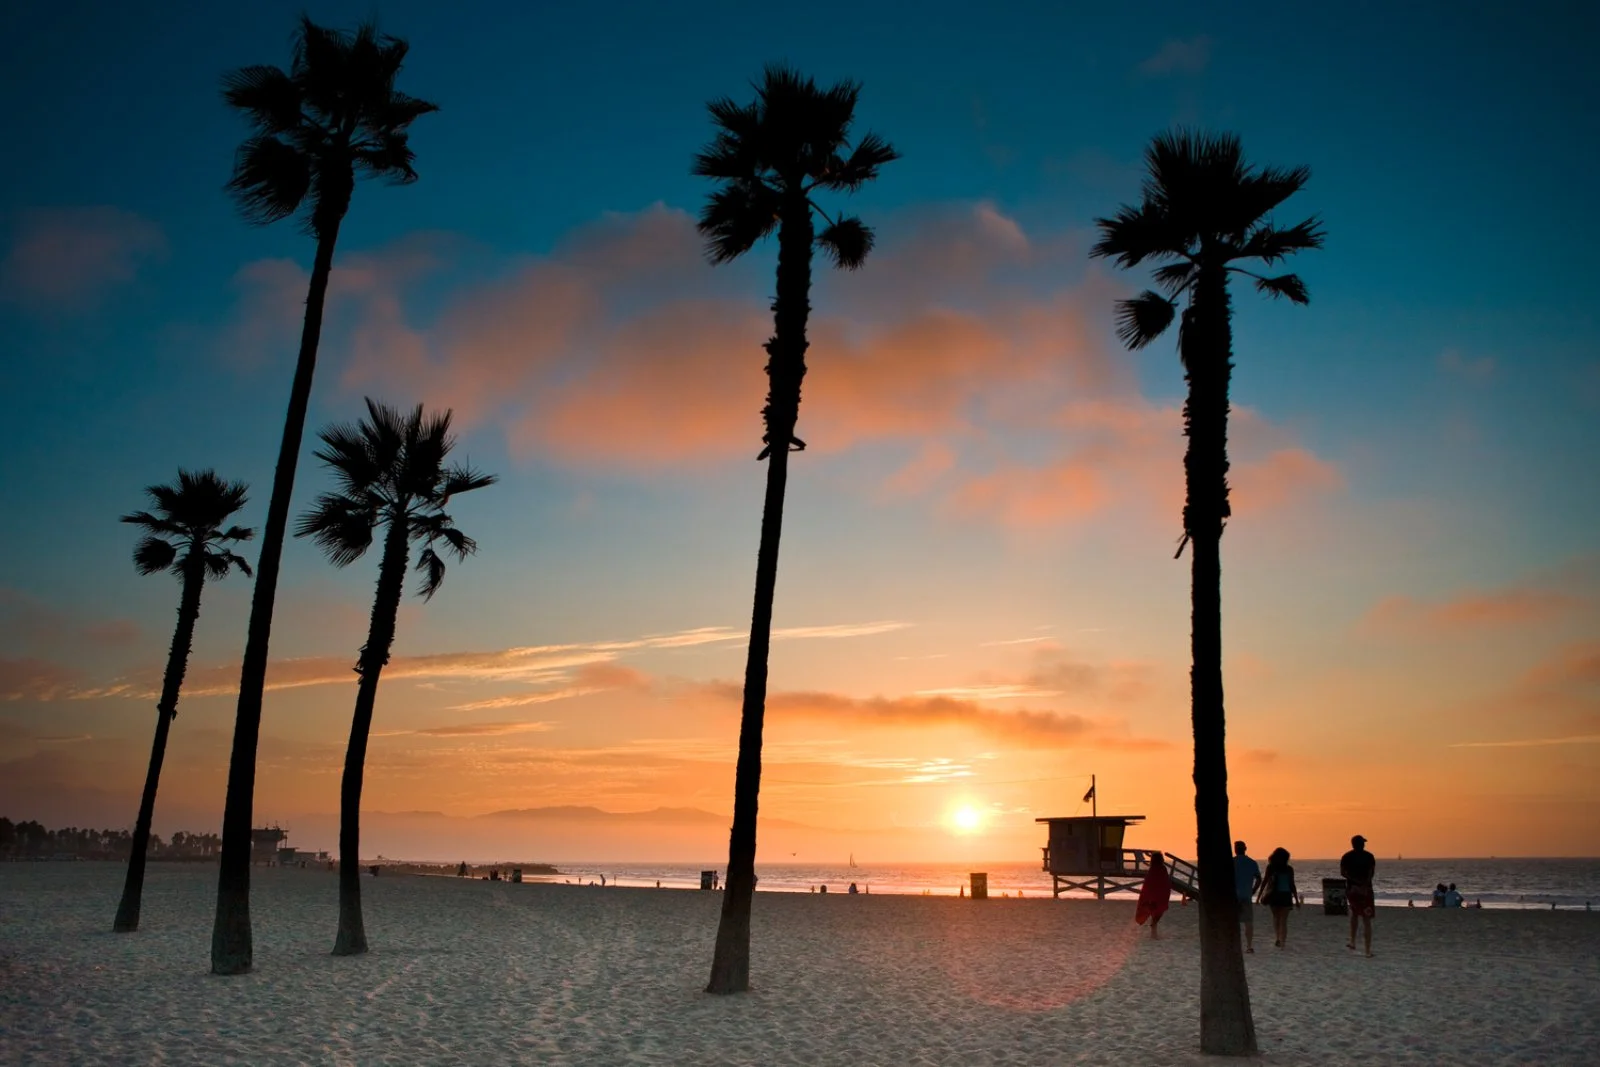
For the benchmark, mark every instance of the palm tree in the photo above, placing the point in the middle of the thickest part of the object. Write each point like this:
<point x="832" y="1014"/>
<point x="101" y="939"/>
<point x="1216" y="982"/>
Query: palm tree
<point x="183" y="535"/>
<point x="333" y="115"/>
<point x="771" y="156"/>
<point x="1203" y="212"/>
<point x="391" y="472"/>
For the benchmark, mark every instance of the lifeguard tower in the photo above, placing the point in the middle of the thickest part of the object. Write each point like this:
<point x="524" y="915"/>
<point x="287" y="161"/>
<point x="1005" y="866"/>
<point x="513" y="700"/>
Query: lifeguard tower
<point x="265" y="844"/>
<point x="1086" y="853"/>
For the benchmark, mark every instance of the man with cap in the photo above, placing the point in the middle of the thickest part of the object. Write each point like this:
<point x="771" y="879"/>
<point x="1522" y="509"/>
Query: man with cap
<point x="1357" y="867"/>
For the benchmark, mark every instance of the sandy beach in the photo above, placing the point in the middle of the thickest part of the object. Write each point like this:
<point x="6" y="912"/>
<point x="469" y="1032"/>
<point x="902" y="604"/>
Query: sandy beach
<point x="478" y="972"/>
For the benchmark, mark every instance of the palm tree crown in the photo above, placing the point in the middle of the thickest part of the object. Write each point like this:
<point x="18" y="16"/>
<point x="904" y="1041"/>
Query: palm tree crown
<point x="779" y="149"/>
<point x="333" y="113"/>
<point x="188" y="519"/>
<point x="391" y="469"/>
<point x="1202" y="207"/>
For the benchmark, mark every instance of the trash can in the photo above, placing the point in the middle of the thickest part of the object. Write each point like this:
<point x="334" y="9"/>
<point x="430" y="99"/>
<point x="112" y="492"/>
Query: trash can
<point x="980" y="885"/>
<point x="1333" y="896"/>
<point x="708" y="879"/>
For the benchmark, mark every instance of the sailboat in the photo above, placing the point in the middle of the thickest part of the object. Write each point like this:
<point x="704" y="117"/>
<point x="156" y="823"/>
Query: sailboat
<point x="852" y="859"/>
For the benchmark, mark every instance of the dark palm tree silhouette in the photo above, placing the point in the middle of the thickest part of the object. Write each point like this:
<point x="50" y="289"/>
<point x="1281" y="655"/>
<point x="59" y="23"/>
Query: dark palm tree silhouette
<point x="391" y="472"/>
<point x="333" y="115"/>
<point x="184" y="534"/>
<point x="771" y="157"/>
<point x="1203" y="211"/>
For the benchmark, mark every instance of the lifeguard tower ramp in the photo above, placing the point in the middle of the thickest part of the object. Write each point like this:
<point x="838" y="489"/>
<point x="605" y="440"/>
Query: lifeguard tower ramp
<point x="1086" y="853"/>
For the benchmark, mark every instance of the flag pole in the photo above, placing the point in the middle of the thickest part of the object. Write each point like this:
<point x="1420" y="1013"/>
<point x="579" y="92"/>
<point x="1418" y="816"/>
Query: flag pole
<point x="1094" y="798"/>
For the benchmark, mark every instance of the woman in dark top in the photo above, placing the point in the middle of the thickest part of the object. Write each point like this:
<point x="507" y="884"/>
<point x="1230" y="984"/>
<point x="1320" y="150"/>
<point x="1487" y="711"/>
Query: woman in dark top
<point x="1279" y="893"/>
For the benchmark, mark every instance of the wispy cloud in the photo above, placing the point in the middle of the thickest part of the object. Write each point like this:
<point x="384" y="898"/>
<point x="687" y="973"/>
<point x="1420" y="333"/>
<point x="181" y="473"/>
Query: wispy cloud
<point x="988" y="692"/>
<point x="548" y="665"/>
<point x="1474" y="369"/>
<point x="1178" y="57"/>
<point x="475" y="729"/>
<point x="1533" y="742"/>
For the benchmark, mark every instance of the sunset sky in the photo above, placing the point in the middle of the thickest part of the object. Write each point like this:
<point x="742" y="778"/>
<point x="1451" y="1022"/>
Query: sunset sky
<point x="978" y="604"/>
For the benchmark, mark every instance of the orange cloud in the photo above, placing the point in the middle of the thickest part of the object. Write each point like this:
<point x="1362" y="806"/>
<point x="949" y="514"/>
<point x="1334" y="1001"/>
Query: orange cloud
<point x="621" y="349"/>
<point x="73" y="255"/>
<point x="1469" y="611"/>
<point x="1038" y="728"/>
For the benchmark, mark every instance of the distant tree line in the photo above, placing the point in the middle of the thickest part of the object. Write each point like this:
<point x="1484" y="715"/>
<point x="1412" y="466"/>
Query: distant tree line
<point x="34" y="841"/>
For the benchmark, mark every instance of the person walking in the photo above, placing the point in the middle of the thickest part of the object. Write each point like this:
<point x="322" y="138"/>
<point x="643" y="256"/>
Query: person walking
<point x="1357" y="867"/>
<point x="1279" y="892"/>
<point x="1155" y="896"/>
<point x="1246" y="883"/>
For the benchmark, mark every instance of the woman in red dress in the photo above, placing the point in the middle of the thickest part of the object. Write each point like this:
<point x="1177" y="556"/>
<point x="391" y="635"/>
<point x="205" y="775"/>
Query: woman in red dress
<point x="1155" y="896"/>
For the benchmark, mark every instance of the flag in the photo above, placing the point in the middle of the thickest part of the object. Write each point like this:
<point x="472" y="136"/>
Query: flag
<point x="1088" y="796"/>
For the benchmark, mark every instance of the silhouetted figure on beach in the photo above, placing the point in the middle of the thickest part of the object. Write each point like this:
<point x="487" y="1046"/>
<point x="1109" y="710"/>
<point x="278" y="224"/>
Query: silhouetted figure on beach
<point x="1358" y="866"/>
<point x="1279" y="892"/>
<point x="1155" y="896"/>
<point x="1438" y="896"/>
<point x="1246" y="883"/>
<point x="1453" y="897"/>
<point x="853" y="889"/>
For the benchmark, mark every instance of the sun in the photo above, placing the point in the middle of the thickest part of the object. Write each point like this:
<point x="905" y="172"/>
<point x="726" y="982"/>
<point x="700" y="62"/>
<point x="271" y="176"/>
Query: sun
<point x="966" y="820"/>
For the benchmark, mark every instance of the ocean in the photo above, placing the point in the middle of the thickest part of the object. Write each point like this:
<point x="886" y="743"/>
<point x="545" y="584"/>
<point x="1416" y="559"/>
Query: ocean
<point x="1566" y="884"/>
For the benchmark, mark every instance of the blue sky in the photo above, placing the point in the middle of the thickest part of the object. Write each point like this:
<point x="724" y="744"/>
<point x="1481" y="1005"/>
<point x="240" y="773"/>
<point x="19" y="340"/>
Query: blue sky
<point x="1437" y="401"/>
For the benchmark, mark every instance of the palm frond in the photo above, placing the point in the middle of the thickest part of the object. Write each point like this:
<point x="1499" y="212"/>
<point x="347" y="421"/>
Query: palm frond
<point x="388" y="156"/>
<point x="438" y="526"/>
<point x="462" y="478"/>
<point x="432" y="569"/>
<point x="1135" y="234"/>
<point x="341" y="527"/>
<point x="218" y="564"/>
<point x="233" y="559"/>
<point x="236" y="533"/>
<point x="1174" y="278"/>
<point x="1144" y="318"/>
<point x="735" y="217"/>
<point x="270" y="179"/>
<point x="1285" y="285"/>
<point x="871" y="153"/>
<point x="1270" y="244"/>
<point x="153" y="555"/>
<point x="267" y="95"/>
<point x="154" y="524"/>
<point x="847" y="242"/>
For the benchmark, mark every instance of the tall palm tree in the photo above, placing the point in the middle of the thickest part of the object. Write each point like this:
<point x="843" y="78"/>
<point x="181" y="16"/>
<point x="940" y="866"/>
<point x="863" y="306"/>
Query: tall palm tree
<point x="1203" y="212"/>
<point x="771" y="157"/>
<point x="184" y="535"/>
<point x="333" y="115"/>
<point x="391" y="473"/>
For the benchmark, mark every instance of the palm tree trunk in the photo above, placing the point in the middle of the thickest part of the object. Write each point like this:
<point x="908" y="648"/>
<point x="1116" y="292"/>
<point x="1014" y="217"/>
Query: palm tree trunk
<point x="232" y="950"/>
<point x="351" y="939"/>
<point x="194" y="579"/>
<point x="786" y="368"/>
<point x="1226" y="1025"/>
